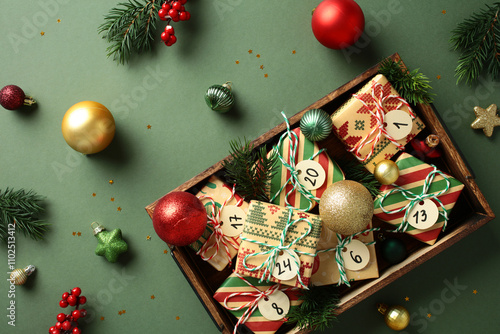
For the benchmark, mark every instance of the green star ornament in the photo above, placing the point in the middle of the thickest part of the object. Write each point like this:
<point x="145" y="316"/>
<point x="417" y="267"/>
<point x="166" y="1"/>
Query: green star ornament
<point x="111" y="244"/>
<point x="486" y="119"/>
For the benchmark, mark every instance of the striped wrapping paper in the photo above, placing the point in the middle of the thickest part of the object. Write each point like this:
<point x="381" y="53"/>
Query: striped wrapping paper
<point x="353" y="121"/>
<point x="326" y="270"/>
<point x="219" y="192"/>
<point x="305" y="151"/>
<point x="412" y="174"/>
<point x="265" y="223"/>
<point x="256" y="323"/>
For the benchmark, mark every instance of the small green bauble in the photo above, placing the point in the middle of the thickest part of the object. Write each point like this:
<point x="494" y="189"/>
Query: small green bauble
<point x="316" y="124"/>
<point x="220" y="98"/>
<point x="393" y="250"/>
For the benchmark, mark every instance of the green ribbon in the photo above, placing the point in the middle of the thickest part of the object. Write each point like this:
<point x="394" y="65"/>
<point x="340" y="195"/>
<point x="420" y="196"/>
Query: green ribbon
<point x="274" y="251"/>
<point x="291" y="167"/>
<point x="416" y="198"/>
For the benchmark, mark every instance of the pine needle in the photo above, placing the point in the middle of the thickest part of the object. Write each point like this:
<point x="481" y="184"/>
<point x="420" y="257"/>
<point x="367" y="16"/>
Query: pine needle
<point x="130" y="28"/>
<point x="413" y="86"/>
<point x="22" y="209"/>
<point x="357" y="172"/>
<point x="478" y="40"/>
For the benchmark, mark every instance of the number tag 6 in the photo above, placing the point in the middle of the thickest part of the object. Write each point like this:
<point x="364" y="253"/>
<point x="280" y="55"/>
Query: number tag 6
<point x="356" y="255"/>
<point x="311" y="174"/>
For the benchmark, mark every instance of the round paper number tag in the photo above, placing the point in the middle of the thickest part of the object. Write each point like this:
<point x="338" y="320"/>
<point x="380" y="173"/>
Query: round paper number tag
<point x="399" y="124"/>
<point x="232" y="219"/>
<point x="311" y="174"/>
<point x="356" y="255"/>
<point x="286" y="266"/>
<point x="424" y="214"/>
<point x="276" y="306"/>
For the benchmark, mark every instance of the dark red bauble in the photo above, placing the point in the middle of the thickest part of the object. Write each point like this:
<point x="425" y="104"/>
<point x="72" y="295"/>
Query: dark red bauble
<point x="179" y="218"/>
<point x="338" y="24"/>
<point x="12" y="97"/>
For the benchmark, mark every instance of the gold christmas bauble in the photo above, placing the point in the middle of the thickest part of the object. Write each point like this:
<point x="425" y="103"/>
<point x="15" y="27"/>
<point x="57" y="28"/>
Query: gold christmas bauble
<point x="396" y="317"/>
<point x="88" y="127"/>
<point x="386" y="172"/>
<point x="346" y="207"/>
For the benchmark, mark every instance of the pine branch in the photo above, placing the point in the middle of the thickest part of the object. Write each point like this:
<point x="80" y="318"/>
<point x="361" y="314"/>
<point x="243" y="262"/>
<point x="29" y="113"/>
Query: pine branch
<point x="357" y="172"/>
<point x="22" y="209"/>
<point x="317" y="312"/>
<point x="478" y="39"/>
<point x="413" y="86"/>
<point x="250" y="169"/>
<point x="130" y="28"/>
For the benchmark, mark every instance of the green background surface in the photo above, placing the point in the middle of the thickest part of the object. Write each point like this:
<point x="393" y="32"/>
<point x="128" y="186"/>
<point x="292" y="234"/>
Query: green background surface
<point x="165" y="89"/>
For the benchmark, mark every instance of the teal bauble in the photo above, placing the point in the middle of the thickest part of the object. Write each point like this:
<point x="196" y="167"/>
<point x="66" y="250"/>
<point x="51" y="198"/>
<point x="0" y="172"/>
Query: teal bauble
<point x="219" y="97"/>
<point x="316" y="124"/>
<point x="393" y="250"/>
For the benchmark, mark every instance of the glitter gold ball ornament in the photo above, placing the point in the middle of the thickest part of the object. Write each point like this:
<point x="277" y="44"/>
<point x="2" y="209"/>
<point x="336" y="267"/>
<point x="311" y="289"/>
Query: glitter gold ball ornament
<point x="88" y="127"/>
<point x="386" y="172"/>
<point x="346" y="207"/>
<point x="20" y="276"/>
<point x="316" y="124"/>
<point x="396" y="317"/>
<point x="179" y="218"/>
<point x="220" y="98"/>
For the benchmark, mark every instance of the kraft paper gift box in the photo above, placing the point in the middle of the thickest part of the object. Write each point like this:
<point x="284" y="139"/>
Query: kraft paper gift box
<point x="414" y="174"/>
<point x="264" y="230"/>
<point x="305" y="150"/>
<point x="326" y="270"/>
<point x="219" y="192"/>
<point x="355" y="120"/>
<point x="232" y="293"/>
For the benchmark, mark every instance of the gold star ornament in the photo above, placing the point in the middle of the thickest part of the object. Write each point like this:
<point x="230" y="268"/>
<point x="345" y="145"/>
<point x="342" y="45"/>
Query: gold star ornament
<point x="486" y="119"/>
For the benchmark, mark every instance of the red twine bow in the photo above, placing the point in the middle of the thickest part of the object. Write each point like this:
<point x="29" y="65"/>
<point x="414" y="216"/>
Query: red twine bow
<point x="379" y="114"/>
<point x="220" y="238"/>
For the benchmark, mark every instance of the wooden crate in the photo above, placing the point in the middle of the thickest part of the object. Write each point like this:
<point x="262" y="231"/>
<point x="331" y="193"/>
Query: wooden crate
<point x="471" y="211"/>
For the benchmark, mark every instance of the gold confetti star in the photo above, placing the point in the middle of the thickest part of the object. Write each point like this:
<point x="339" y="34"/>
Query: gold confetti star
<point x="152" y="296"/>
<point x="58" y="20"/>
<point x="123" y="311"/>
<point x="265" y="75"/>
<point x="79" y="234"/>
<point x="429" y="315"/>
<point x="177" y="318"/>
<point x="149" y="127"/>
<point x="258" y="55"/>
<point x="237" y="62"/>
<point x="444" y="11"/>
<point x="94" y="194"/>
<point x="294" y="52"/>
<point x="111" y="181"/>
<point x="120" y="312"/>
<point x="165" y="251"/>
<point x="250" y="51"/>
<point x="438" y="77"/>
<point x="474" y="291"/>
<point x="42" y="33"/>
<point x="112" y="199"/>
<point x="407" y="298"/>
<point x="261" y="67"/>
<point x="102" y="318"/>
<point x="119" y="208"/>
<point x="148" y="237"/>
<point x="74" y="233"/>
<point x="486" y="119"/>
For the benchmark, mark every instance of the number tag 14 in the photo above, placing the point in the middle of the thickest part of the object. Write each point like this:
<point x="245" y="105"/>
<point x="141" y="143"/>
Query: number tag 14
<point x="275" y="306"/>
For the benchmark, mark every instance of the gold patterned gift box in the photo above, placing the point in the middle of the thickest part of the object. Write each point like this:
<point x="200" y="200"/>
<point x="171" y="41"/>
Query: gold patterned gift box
<point x="269" y="229"/>
<point x="220" y="201"/>
<point x="365" y="129"/>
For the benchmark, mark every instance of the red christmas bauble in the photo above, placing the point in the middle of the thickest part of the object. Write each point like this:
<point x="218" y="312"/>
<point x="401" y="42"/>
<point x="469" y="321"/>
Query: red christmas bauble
<point x="338" y="24"/>
<point x="179" y="218"/>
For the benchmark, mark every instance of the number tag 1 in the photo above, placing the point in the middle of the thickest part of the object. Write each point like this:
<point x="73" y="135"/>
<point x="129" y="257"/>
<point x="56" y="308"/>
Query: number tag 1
<point x="311" y="174"/>
<point x="276" y="306"/>
<point x="232" y="220"/>
<point x="399" y="124"/>
<point x="356" y="255"/>
<point x="423" y="215"/>
<point x="286" y="266"/>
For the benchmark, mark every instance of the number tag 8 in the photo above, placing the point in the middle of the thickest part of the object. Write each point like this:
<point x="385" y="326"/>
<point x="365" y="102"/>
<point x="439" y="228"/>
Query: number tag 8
<point x="276" y="306"/>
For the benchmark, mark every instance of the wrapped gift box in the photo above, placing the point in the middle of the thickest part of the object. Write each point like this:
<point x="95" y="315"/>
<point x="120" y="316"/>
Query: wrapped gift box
<point x="353" y="122"/>
<point x="326" y="270"/>
<point x="305" y="150"/>
<point x="412" y="176"/>
<point x="256" y="322"/>
<point x="219" y="192"/>
<point x="265" y="224"/>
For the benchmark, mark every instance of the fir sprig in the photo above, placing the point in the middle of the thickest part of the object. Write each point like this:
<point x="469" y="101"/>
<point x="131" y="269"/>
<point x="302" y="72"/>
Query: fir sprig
<point x="478" y="38"/>
<point x="250" y="169"/>
<point x="317" y="312"/>
<point x="130" y="28"/>
<point x="21" y="208"/>
<point x="357" y="172"/>
<point x="413" y="86"/>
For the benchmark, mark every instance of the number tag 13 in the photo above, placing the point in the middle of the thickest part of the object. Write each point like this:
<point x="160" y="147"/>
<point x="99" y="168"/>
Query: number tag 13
<point x="423" y="215"/>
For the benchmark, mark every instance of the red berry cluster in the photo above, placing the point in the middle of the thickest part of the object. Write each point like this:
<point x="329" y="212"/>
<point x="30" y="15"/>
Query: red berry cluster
<point x="172" y="11"/>
<point x="68" y="324"/>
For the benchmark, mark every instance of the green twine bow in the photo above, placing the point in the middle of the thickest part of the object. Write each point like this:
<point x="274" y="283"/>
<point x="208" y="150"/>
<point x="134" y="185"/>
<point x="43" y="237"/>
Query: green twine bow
<point x="274" y="251"/>
<point x="414" y="199"/>
<point x="290" y="166"/>
<point x="339" y="256"/>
